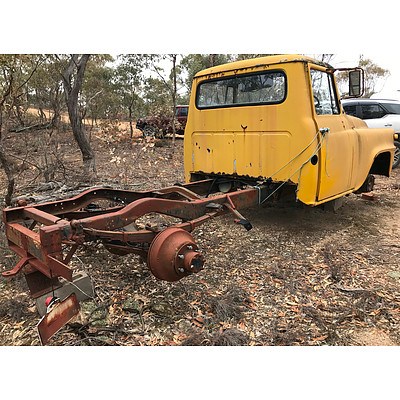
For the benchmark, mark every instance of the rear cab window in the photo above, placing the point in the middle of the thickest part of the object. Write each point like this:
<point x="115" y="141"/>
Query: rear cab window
<point x="266" y="87"/>
<point x="182" y="111"/>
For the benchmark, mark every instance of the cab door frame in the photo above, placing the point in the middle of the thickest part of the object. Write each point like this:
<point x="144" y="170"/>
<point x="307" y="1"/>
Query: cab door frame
<point x="337" y="141"/>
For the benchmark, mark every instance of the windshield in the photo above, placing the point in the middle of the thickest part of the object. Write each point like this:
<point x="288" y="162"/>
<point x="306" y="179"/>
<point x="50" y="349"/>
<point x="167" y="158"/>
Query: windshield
<point x="259" y="88"/>
<point x="392" y="108"/>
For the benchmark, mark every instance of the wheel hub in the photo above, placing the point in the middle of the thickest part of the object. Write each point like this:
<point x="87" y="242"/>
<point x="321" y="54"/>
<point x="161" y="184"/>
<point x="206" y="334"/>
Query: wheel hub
<point x="173" y="254"/>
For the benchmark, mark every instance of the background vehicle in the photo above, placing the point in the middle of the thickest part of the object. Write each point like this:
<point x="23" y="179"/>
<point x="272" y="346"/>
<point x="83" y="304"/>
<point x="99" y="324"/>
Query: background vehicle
<point x="377" y="113"/>
<point x="159" y="125"/>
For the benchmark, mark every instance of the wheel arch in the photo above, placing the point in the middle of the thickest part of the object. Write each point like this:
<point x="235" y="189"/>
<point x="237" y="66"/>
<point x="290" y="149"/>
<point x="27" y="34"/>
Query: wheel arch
<point x="382" y="164"/>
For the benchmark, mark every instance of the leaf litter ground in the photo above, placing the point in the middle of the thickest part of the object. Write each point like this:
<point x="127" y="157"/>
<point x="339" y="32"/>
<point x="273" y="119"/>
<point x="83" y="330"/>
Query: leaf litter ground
<point x="301" y="276"/>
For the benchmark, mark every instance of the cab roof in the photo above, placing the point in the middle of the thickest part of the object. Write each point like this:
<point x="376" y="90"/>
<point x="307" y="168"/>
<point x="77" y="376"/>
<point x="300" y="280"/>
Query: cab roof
<point x="260" y="61"/>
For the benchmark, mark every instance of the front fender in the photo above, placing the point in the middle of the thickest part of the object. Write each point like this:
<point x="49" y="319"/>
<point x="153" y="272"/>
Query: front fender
<point x="375" y="153"/>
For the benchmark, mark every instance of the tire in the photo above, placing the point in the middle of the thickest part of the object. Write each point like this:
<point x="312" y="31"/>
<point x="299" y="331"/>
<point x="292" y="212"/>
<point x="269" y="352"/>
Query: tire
<point x="396" y="160"/>
<point x="149" y="131"/>
<point x="368" y="185"/>
<point x="159" y="134"/>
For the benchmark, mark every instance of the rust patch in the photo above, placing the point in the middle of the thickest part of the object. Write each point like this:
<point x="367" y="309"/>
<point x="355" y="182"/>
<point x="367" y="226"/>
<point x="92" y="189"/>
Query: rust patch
<point x="61" y="313"/>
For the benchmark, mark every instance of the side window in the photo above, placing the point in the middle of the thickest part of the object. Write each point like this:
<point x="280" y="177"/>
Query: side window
<point x="351" y="110"/>
<point x="372" y="111"/>
<point x="325" y="101"/>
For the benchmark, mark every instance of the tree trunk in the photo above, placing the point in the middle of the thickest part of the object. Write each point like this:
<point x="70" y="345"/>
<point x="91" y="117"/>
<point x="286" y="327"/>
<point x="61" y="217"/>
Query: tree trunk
<point x="56" y="106"/>
<point x="212" y="58"/>
<point x="8" y="169"/>
<point x="72" y="87"/>
<point x="174" y="101"/>
<point x="130" y="108"/>
<point x="4" y="161"/>
<point x="78" y="130"/>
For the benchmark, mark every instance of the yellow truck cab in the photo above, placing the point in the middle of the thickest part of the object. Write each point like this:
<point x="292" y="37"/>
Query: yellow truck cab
<point x="277" y="120"/>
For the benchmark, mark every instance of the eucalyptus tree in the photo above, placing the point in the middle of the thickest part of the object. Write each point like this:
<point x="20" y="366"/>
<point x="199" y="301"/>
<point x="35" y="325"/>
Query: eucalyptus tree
<point x="15" y="73"/>
<point x="99" y="98"/>
<point x="46" y="90"/>
<point x="153" y="61"/>
<point x="156" y="97"/>
<point x="129" y="80"/>
<point x="72" y="78"/>
<point x="191" y="64"/>
<point x="373" y="76"/>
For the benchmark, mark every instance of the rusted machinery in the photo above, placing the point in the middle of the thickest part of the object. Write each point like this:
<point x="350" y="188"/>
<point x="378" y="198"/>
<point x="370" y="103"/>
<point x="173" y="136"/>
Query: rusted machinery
<point x="47" y="235"/>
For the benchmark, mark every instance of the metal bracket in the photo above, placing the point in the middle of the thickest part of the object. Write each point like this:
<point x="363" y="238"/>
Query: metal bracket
<point x="17" y="269"/>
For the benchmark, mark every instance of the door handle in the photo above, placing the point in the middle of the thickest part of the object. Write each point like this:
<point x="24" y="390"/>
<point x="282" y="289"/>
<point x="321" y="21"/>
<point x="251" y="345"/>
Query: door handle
<point x="388" y="124"/>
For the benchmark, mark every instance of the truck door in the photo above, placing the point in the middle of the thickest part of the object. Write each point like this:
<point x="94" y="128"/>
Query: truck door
<point x="336" y="141"/>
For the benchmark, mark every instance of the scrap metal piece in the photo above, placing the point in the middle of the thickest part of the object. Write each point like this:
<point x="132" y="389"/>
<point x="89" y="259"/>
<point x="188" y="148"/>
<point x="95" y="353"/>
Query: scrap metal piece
<point x="173" y="254"/>
<point x="59" y="314"/>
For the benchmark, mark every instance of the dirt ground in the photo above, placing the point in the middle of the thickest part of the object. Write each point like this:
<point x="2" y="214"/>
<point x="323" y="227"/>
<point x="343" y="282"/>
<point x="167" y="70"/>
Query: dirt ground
<point x="301" y="276"/>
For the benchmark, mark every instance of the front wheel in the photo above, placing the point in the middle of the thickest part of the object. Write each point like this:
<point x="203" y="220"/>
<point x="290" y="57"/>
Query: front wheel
<point x="367" y="186"/>
<point x="396" y="159"/>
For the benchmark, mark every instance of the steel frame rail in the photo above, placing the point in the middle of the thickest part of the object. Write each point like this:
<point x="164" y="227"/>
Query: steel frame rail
<point x="40" y="233"/>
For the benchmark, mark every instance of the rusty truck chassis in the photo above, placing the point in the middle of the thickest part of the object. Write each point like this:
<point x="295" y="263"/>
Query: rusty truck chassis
<point x="46" y="236"/>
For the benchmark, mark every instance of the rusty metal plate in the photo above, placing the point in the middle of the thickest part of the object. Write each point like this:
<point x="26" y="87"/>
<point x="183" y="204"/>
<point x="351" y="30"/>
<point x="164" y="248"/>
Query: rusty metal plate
<point x="39" y="283"/>
<point x="62" y="312"/>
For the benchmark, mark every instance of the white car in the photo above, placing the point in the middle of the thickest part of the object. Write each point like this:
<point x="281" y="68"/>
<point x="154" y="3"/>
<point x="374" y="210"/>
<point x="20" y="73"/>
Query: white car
<point x="377" y="114"/>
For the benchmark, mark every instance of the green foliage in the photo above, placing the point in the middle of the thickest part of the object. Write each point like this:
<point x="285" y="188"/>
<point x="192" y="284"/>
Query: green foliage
<point x="193" y="63"/>
<point x="99" y="97"/>
<point x="128" y="83"/>
<point x="44" y="90"/>
<point x="248" y="56"/>
<point x="16" y="73"/>
<point x="157" y="97"/>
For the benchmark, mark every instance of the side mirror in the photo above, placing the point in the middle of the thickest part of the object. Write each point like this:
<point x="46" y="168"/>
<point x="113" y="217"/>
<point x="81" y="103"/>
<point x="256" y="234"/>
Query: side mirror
<point x="356" y="82"/>
<point x="355" y="77"/>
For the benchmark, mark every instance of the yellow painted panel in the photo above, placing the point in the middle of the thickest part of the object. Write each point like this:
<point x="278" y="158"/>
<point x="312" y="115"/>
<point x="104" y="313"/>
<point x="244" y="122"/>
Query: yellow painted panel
<point x="252" y="154"/>
<point x="262" y="154"/>
<point x="212" y="153"/>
